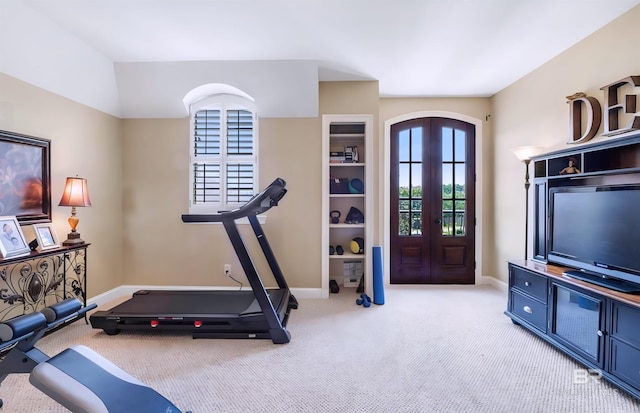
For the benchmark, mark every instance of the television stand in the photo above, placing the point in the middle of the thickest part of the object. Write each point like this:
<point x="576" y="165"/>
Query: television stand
<point x="596" y="326"/>
<point x="607" y="282"/>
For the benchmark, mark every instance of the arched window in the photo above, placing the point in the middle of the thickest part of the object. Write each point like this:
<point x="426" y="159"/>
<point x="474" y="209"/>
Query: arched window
<point x="223" y="148"/>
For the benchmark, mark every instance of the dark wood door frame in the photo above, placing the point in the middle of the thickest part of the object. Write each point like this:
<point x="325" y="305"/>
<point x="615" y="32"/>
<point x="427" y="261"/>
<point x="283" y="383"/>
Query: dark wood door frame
<point x="478" y="123"/>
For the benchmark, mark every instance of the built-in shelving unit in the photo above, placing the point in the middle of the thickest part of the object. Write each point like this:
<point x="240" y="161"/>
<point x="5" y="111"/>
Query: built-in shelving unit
<point x="339" y="133"/>
<point x="613" y="161"/>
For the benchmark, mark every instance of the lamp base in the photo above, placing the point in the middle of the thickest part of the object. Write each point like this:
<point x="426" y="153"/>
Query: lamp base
<point x="73" y="238"/>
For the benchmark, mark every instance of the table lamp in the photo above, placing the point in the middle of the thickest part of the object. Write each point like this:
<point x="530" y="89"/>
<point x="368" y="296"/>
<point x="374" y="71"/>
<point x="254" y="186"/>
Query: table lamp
<point x="76" y="194"/>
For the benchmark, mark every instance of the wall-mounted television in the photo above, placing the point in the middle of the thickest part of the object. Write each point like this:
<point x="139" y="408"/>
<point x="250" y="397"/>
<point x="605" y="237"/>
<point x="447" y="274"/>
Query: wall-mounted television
<point x="595" y="230"/>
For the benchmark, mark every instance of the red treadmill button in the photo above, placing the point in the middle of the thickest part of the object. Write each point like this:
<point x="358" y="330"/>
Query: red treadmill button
<point x="154" y="323"/>
<point x="197" y="324"/>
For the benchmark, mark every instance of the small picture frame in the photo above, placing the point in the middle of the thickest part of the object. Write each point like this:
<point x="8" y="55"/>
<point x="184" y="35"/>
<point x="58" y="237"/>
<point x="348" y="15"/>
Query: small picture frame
<point x="46" y="236"/>
<point x="12" y="242"/>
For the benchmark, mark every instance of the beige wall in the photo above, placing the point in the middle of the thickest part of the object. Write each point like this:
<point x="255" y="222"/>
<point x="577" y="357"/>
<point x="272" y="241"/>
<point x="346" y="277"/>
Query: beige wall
<point x="533" y="111"/>
<point x="84" y="142"/>
<point x="161" y="250"/>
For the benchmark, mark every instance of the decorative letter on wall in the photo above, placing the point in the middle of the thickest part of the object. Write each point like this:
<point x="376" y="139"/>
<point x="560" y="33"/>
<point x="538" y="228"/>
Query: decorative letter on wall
<point x="594" y="117"/>
<point x="613" y="107"/>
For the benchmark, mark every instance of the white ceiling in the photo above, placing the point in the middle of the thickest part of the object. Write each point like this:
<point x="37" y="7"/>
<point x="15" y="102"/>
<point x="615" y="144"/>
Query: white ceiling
<point x="412" y="47"/>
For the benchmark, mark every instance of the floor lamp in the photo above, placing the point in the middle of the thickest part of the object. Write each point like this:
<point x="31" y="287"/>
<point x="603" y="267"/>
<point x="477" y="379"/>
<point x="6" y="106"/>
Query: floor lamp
<point x="524" y="154"/>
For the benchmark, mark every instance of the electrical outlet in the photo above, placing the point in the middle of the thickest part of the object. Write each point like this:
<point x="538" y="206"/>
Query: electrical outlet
<point x="227" y="270"/>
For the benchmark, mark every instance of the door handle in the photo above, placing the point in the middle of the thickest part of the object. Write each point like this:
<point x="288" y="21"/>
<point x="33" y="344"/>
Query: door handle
<point x="437" y="221"/>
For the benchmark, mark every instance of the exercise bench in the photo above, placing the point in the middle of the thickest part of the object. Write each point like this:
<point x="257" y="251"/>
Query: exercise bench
<point x="78" y="378"/>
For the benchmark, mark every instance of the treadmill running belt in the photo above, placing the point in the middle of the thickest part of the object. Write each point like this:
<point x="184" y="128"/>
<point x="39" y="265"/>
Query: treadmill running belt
<point x="158" y="303"/>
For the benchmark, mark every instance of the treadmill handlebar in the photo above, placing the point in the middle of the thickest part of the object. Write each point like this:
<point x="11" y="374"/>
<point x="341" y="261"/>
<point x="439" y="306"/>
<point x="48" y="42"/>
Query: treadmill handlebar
<point x="260" y="203"/>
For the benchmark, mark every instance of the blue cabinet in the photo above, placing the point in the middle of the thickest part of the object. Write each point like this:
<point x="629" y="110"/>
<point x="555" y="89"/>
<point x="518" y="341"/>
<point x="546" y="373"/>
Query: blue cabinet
<point x="595" y="326"/>
<point x="578" y="322"/>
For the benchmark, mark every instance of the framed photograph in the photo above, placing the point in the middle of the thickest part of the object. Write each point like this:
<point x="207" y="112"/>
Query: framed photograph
<point x="12" y="242"/>
<point x="27" y="194"/>
<point x="46" y="236"/>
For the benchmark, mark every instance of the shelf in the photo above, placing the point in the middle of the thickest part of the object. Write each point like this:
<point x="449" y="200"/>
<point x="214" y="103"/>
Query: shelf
<point x="346" y="195"/>
<point x="347" y="256"/>
<point x="333" y="226"/>
<point x="340" y="137"/>
<point x="343" y="164"/>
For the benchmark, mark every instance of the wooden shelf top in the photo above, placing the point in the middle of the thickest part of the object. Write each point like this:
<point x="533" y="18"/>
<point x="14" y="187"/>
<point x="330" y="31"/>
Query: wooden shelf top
<point x="555" y="272"/>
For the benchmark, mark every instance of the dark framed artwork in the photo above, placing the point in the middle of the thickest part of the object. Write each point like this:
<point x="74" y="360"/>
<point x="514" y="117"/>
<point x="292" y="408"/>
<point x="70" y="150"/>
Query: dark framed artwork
<point x="25" y="178"/>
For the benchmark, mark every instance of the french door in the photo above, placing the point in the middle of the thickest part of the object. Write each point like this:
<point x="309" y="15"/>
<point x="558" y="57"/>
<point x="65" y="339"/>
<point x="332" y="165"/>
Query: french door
<point x="432" y="202"/>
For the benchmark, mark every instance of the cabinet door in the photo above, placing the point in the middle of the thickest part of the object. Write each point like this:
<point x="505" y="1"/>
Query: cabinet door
<point x="577" y="322"/>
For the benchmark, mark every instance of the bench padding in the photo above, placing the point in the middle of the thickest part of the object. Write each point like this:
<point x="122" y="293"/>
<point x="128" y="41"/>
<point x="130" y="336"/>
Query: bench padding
<point x="85" y="382"/>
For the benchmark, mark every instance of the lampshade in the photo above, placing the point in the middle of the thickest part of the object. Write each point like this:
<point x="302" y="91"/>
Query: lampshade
<point x="524" y="153"/>
<point x="76" y="193"/>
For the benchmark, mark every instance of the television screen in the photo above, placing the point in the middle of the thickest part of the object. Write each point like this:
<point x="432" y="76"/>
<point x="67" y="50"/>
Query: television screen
<point x="596" y="229"/>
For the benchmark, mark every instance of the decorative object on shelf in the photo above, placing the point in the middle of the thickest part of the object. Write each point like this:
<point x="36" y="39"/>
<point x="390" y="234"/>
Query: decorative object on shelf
<point x="26" y="194"/>
<point x="524" y="154"/>
<point x="339" y="186"/>
<point x="336" y="157"/>
<point x="357" y="245"/>
<point x="46" y="236"/>
<point x="331" y="250"/>
<point x="335" y="216"/>
<point x="350" y="154"/>
<point x="356" y="186"/>
<point x="571" y="168"/>
<point x="355" y="216"/>
<point x="352" y="273"/>
<point x="76" y="194"/>
<point x="333" y="286"/>
<point x="12" y="242"/>
<point x="339" y="250"/>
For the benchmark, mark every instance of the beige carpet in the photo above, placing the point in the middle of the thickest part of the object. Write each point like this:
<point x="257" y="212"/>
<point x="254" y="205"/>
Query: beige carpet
<point x="428" y="349"/>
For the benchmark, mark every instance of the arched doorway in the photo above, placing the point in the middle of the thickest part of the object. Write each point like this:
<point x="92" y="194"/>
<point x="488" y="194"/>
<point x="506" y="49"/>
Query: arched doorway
<point x="430" y="200"/>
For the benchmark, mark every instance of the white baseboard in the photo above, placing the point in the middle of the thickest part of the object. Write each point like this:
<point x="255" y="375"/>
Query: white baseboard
<point x="496" y="283"/>
<point x="128" y="290"/>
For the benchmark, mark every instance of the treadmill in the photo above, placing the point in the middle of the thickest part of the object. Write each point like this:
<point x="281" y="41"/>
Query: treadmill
<point x="255" y="313"/>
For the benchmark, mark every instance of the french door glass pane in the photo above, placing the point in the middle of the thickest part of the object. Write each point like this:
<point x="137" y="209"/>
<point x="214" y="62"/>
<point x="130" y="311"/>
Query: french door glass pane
<point x="460" y="169"/>
<point x="416" y="224"/>
<point x="416" y="180"/>
<point x="447" y="181"/>
<point x="403" y="224"/>
<point x="404" y="146"/>
<point x="460" y="148"/>
<point x="447" y="145"/>
<point x="403" y="180"/>
<point x="416" y="144"/>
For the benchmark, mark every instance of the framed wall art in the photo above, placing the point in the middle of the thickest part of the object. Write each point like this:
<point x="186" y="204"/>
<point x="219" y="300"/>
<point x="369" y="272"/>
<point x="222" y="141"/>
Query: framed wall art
<point x="12" y="242"/>
<point x="25" y="191"/>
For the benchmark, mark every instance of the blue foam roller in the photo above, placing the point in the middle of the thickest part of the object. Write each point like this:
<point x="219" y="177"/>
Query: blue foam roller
<point x="378" y="282"/>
